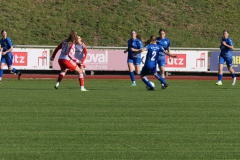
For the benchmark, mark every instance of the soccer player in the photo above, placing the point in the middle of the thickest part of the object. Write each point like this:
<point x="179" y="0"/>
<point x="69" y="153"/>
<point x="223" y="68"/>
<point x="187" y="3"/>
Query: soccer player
<point x="6" y="48"/>
<point x="165" y="43"/>
<point x="226" y="47"/>
<point x="81" y="53"/>
<point x="67" y="61"/>
<point x="153" y="49"/>
<point x="134" y="61"/>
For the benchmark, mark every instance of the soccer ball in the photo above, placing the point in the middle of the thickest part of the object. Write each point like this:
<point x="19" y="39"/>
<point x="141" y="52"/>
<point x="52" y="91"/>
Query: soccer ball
<point x="151" y="84"/>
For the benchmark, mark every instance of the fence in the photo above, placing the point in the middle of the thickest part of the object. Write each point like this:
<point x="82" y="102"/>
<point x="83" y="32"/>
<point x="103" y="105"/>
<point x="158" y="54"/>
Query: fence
<point x="101" y="58"/>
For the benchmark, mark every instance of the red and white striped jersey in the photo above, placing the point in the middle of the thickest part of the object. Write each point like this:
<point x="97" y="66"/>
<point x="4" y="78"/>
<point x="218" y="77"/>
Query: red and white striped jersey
<point x="81" y="52"/>
<point x="67" y="52"/>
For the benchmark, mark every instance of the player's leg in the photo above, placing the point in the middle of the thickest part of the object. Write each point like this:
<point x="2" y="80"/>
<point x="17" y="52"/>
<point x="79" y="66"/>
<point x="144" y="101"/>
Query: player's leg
<point x="137" y="63"/>
<point x="62" y="72"/>
<point x="60" y="77"/>
<point x="82" y="67"/>
<point x="131" y="71"/>
<point x="162" y="80"/>
<point x="161" y="64"/>
<point x="143" y="76"/>
<point x="81" y="78"/>
<point x="9" y="62"/>
<point x="220" y="70"/>
<point x="3" y="62"/>
<point x="231" y="70"/>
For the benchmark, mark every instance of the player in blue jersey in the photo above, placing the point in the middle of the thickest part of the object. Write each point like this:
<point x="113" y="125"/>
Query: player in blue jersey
<point x="134" y="61"/>
<point x="7" y="57"/>
<point x="153" y="49"/>
<point x="226" y="47"/>
<point x="165" y="43"/>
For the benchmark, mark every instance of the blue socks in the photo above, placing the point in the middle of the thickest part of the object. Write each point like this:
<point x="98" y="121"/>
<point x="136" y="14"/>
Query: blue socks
<point x="233" y="75"/>
<point x="147" y="82"/>
<point x="1" y="73"/>
<point x="220" y="77"/>
<point x="15" y="71"/>
<point x="162" y="80"/>
<point x="132" y="76"/>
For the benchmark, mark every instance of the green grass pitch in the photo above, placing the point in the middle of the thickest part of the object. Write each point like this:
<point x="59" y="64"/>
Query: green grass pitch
<point x="189" y="120"/>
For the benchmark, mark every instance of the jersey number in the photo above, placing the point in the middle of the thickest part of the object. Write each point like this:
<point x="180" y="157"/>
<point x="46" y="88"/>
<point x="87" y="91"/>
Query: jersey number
<point x="153" y="56"/>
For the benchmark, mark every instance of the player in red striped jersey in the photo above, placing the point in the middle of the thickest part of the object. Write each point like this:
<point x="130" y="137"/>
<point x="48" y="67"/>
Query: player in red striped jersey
<point x="81" y="53"/>
<point x="67" y="60"/>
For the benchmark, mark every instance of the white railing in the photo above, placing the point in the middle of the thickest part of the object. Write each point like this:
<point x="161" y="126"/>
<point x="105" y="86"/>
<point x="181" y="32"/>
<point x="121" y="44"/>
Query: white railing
<point x="119" y="48"/>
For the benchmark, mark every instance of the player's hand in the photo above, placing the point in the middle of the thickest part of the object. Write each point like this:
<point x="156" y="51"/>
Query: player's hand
<point x="125" y="51"/>
<point x="51" y="59"/>
<point x="135" y="54"/>
<point x="83" y="65"/>
<point x="79" y="62"/>
<point x="174" y="56"/>
<point x="3" y="53"/>
<point x="224" y="43"/>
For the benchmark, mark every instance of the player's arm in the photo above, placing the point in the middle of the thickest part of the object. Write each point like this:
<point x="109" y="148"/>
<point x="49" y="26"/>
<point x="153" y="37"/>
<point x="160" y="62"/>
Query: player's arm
<point x="55" y="51"/>
<point x="125" y="51"/>
<point x="85" y="55"/>
<point x="229" y="46"/>
<point x="71" y="55"/>
<point x="9" y="43"/>
<point x="169" y="54"/>
<point x="137" y="51"/>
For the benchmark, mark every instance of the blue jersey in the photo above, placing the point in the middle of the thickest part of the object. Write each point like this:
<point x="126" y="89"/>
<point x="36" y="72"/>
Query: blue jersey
<point x="225" y="51"/>
<point x="6" y="44"/>
<point x="152" y="54"/>
<point x="165" y="43"/>
<point x="136" y="44"/>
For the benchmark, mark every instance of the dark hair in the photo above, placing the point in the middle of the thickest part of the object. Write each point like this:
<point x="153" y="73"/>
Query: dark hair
<point x="73" y="37"/>
<point x="138" y="36"/>
<point x="225" y="31"/>
<point x="151" y="39"/>
<point x="160" y="30"/>
<point x="3" y="31"/>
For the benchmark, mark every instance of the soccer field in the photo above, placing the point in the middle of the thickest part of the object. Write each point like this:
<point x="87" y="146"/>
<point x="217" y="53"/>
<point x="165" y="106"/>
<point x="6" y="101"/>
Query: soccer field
<point x="189" y="120"/>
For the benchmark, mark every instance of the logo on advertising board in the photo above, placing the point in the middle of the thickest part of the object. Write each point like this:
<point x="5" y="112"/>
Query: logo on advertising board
<point x="97" y="61"/>
<point x="20" y="58"/>
<point x="42" y="60"/>
<point x="200" y="62"/>
<point x="179" y="62"/>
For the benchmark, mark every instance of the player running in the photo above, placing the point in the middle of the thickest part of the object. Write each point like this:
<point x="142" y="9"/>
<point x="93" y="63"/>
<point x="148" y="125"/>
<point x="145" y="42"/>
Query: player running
<point x="161" y="61"/>
<point x="134" y="61"/>
<point x="6" y="48"/>
<point x="67" y="61"/>
<point x="153" y="50"/>
<point x="226" y="47"/>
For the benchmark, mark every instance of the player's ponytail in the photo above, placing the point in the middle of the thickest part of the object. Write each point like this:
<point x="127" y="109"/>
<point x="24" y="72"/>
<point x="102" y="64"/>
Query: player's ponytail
<point x="151" y="40"/>
<point x="138" y="36"/>
<point x="73" y="37"/>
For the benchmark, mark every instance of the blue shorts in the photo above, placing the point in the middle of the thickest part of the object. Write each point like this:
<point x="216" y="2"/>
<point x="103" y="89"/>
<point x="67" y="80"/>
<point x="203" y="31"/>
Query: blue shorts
<point x="145" y="70"/>
<point x="7" y="59"/>
<point x="161" y="61"/>
<point x="228" y="60"/>
<point x="135" y="61"/>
